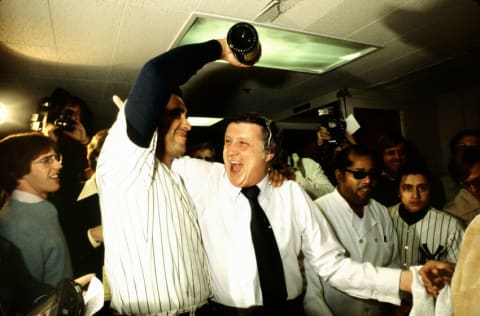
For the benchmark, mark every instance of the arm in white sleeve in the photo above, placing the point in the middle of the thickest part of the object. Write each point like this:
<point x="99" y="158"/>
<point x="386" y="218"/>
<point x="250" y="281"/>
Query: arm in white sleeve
<point x="327" y="257"/>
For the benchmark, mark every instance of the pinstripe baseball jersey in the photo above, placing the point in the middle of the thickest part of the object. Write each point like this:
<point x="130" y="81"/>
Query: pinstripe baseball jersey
<point x="437" y="236"/>
<point x="154" y="257"/>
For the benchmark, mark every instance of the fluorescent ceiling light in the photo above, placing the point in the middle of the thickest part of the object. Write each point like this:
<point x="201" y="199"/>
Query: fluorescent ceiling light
<point x="203" y="121"/>
<point x="281" y="48"/>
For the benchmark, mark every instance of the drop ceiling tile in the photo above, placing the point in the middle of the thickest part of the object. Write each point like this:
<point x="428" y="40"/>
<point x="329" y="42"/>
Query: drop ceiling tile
<point x="26" y="22"/>
<point x="246" y="9"/>
<point x="165" y="5"/>
<point x="144" y="34"/>
<point x="93" y="56"/>
<point x="86" y="24"/>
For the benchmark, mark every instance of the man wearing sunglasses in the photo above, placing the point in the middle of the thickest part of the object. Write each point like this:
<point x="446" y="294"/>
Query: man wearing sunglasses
<point x="28" y="173"/>
<point x="362" y="225"/>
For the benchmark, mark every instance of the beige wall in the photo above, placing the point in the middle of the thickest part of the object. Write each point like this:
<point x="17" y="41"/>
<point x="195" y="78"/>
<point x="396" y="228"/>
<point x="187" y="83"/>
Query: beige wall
<point x="429" y="122"/>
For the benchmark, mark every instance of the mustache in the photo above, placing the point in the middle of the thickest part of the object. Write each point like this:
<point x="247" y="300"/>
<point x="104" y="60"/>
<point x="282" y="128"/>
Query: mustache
<point x="365" y="186"/>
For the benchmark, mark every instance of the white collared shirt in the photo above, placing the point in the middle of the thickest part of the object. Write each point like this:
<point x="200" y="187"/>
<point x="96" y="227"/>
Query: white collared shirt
<point x="224" y="217"/>
<point x="25" y="197"/>
<point x="371" y="238"/>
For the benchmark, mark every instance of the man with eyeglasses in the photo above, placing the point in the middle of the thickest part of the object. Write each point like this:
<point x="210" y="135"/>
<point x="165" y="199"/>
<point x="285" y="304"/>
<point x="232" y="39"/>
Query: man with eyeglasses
<point x="464" y="168"/>
<point x="362" y="225"/>
<point x="29" y="169"/>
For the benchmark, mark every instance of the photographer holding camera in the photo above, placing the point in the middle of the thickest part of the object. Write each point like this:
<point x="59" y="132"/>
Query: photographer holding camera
<point x="68" y="121"/>
<point x="325" y="147"/>
<point x="67" y="116"/>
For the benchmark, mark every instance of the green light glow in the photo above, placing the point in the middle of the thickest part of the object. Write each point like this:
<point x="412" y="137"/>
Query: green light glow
<point x="281" y="48"/>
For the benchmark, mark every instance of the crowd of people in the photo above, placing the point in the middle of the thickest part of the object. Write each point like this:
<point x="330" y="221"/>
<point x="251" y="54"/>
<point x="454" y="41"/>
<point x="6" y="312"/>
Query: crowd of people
<point x="172" y="232"/>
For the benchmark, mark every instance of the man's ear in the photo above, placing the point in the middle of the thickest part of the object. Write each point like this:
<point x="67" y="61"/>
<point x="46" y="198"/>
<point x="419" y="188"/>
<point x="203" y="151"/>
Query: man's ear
<point x="269" y="156"/>
<point x="338" y="176"/>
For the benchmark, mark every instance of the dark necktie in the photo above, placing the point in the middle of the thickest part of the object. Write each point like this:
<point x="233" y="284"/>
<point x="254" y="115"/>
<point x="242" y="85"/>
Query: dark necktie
<point x="269" y="261"/>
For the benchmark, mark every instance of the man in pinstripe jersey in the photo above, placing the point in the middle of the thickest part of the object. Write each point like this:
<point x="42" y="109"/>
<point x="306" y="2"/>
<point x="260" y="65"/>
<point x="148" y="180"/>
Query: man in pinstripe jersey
<point x="154" y="257"/>
<point x="424" y="232"/>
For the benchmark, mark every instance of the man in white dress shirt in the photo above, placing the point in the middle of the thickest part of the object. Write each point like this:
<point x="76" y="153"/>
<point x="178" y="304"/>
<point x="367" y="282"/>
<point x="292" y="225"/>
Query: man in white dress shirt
<point x="362" y="225"/>
<point x="154" y="257"/>
<point x="251" y="147"/>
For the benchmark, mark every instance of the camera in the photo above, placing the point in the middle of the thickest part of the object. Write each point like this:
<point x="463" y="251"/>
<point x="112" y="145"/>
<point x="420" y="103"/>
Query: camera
<point x="65" y="122"/>
<point x="334" y="123"/>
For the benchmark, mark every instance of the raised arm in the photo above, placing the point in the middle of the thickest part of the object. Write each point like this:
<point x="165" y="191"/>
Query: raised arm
<point x="158" y="79"/>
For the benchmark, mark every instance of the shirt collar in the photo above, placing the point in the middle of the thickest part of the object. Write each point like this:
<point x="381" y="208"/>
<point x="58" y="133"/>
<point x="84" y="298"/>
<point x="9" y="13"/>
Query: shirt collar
<point x="342" y="200"/>
<point x="89" y="188"/>
<point x="25" y="197"/>
<point x="234" y="191"/>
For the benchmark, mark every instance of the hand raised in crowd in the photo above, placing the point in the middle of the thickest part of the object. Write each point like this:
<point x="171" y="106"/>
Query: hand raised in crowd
<point x="79" y="133"/>
<point x="118" y="101"/>
<point x="435" y="274"/>
<point x="323" y="136"/>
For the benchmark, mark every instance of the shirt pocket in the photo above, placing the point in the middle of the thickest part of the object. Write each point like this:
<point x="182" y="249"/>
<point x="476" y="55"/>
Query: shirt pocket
<point x="387" y="252"/>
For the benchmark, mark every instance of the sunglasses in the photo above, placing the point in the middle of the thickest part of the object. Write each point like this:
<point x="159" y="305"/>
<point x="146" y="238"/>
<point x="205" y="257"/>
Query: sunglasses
<point x="359" y="174"/>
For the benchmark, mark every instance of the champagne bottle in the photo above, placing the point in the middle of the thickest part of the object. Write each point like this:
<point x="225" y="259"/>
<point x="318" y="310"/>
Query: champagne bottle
<point x="244" y="43"/>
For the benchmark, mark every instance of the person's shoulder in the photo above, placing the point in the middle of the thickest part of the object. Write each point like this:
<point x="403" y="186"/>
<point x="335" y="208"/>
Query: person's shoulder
<point x="291" y="189"/>
<point x="288" y="185"/>
<point x="377" y="205"/>
<point x="379" y="210"/>
<point x="474" y="225"/>
<point x="309" y="161"/>
<point x="393" y="210"/>
<point x="445" y="215"/>
<point x="196" y="167"/>
<point x="328" y="198"/>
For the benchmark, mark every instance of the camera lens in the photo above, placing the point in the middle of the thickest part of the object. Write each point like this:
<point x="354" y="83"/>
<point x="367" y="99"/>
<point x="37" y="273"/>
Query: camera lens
<point x="65" y="121"/>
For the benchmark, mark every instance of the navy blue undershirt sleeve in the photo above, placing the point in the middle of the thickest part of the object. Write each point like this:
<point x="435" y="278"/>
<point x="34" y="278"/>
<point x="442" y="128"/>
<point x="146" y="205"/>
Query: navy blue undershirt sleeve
<point x="155" y="83"/>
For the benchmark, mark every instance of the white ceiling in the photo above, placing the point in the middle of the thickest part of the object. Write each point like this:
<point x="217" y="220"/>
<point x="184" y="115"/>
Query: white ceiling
<point x="94" y="48"/>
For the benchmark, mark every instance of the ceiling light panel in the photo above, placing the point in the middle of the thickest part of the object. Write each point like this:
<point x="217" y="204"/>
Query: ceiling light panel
<point x="282" y="48"/>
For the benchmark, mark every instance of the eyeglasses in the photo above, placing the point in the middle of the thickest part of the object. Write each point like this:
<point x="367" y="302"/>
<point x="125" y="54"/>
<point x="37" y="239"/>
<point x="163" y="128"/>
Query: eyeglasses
<point x="48" y="161"/>
<point x="359" y="174"/>
<point x="474" y="183"/>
